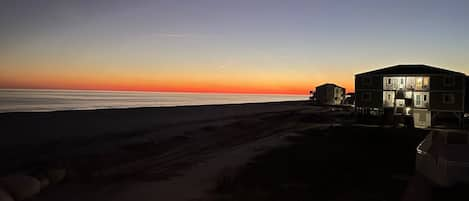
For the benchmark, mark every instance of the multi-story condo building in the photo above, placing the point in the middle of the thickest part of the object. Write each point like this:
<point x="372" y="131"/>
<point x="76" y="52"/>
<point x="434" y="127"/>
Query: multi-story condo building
<point x="329" y="94"/>
<point x="421" y="91"/>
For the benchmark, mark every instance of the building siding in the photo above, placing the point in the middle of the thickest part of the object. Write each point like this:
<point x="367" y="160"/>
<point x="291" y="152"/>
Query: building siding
<point x="330" y="94"/>
<point x="375" y="100"/>
<point x="437" y="82"/>
<point x="437" y="101"/>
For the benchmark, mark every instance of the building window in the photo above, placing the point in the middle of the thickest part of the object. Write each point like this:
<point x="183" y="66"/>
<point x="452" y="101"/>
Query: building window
<point x="448" y="81"/>
<point x="389" y="81"/>
<point x="448" y="98"/>
<point x="424" y="97"/>
<point x="419" y="83"/>
<point x="426" y="82"/>
<point x="417" y="100"/>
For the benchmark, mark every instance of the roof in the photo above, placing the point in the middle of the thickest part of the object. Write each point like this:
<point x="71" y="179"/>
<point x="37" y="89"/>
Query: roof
<point x="416" y="69"/>
<point x="329" y="84"/>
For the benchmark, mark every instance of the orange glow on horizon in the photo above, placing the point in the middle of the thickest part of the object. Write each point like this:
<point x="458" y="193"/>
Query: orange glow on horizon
<point x="253" y="83"/>
<point x="201" y="87"/>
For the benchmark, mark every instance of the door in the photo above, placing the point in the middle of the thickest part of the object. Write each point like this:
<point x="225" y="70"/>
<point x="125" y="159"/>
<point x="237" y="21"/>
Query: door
<point x="388" y="99"/>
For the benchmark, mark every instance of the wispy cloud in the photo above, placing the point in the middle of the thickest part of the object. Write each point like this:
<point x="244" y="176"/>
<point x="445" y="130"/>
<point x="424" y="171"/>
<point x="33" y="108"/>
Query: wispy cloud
<point x="174" y="35"/>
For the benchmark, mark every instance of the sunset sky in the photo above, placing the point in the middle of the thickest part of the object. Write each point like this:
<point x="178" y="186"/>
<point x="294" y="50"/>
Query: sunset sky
<point x="247" y="46"/>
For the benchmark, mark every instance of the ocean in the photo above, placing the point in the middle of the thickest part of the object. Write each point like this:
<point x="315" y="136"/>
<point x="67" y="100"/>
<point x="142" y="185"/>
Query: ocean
<point x="39" y="100"/>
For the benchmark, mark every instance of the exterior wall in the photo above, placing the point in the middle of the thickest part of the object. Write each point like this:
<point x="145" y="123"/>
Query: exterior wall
<point x="447" y="93"/>
<point x="371" y="99"/>
<point x="330" y="95"/>
<point x="440" y="82"/>
<point x="422" y="118"/>
<point x="466" y="98"/>
<point x="369" y="91"/>
<point x="426" y="94"/>
<point x="438" y="102"/>
<point x="323" y="95"/>
<point x="339" y="95"/>
<point x="368" y="82"/>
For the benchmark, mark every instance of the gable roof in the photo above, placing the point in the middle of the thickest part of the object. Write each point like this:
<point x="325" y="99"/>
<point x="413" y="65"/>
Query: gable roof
<point x="416" y="69"/>
<point x="329" y="84"/>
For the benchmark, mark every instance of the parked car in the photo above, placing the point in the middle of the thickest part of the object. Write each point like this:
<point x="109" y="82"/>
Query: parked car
<point x="443" y="157"/>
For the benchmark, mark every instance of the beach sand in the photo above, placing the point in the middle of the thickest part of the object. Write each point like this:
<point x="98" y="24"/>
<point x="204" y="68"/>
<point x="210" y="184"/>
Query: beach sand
<point x="146" y="153"/>
<point x="42" y="133"/>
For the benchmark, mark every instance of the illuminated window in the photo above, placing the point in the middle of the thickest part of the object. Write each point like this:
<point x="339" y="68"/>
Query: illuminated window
<point x="417" y="100"/>
<point x="426" y="81"/>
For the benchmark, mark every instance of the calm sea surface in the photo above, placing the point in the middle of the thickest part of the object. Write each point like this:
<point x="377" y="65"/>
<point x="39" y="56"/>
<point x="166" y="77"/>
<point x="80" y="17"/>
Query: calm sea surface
<point x="13" y="100"/>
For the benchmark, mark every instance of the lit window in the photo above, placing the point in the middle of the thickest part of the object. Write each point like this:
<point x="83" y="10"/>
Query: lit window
<point x="426" y="81"/>
<point x="417" y="100"/>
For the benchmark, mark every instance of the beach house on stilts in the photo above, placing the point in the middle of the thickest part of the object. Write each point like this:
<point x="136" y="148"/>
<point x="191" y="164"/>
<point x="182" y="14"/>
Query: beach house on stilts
<point x="430" y="95"/>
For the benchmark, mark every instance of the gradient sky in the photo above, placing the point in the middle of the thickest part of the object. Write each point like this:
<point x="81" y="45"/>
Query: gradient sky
<point x="262" y="46"/>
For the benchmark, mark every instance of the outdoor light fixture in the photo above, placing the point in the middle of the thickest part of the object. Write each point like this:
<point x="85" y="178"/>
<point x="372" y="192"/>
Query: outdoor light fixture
<point x="407" y="109"/>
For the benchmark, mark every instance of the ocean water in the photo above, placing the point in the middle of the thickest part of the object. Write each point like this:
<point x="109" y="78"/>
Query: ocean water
<point x="25" y="100"/>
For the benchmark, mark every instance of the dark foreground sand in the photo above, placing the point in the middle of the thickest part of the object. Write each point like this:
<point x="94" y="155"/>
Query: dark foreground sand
<point x="171" y="153"/>
<point x="40" y="134"/>
<point x="266" y="151"/>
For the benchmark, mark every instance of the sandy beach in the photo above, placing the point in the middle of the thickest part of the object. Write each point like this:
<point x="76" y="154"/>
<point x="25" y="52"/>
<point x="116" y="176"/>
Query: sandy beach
<point x="42" y="132"/>
<point x="115" y="152"/>
<point x="288" y="150"/>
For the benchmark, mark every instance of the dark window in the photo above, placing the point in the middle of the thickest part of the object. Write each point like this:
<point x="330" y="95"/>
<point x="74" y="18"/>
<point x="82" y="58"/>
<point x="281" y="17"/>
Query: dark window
<point x="389" y="81"/>
<point x="448" y="81"/>
<point x="448" y="98"/>
<point x="424" y="97"/>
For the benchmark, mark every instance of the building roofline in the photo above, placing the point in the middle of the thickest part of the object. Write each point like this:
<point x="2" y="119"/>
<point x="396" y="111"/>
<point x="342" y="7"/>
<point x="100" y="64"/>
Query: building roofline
<point x="325" y="84"/>
<point x="437" y="70"/>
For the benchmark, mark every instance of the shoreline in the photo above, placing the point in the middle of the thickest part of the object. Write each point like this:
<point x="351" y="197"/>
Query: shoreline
<point x="152" y="107"/>
<point x="64" y="100"/>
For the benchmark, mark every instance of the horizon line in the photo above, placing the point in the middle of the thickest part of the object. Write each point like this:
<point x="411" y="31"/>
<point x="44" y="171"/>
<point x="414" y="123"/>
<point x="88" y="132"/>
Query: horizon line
<point x="157" y="91"/>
